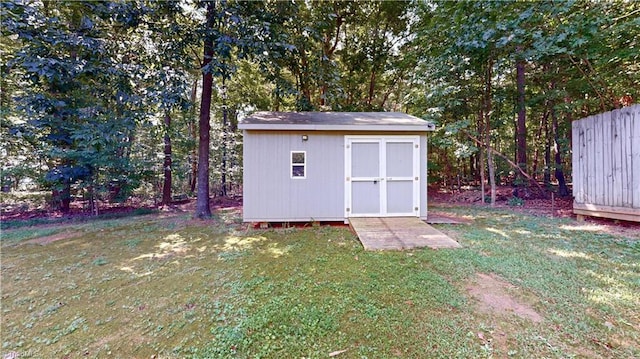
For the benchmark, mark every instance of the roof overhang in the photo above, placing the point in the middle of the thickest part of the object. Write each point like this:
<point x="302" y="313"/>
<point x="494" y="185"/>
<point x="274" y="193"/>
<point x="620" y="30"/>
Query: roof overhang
<point x="335" y="121"/>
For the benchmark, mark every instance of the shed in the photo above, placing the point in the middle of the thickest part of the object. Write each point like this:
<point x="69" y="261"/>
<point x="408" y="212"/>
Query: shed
<point x="330" y="166"/>
<point x="606" y="164"/>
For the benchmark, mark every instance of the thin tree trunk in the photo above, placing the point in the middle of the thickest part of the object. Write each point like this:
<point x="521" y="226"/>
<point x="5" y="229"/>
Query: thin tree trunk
<point x="305" y="90"/>
<point x="166" y="165"/>
<point x="481" y="155"/>
<point x="521" y="127"/>
<point x="203" y="209"/>
<point x="192" y="133"/>
<point x="276" y="97"/>
<point x="372" y="86"/>
<point x="223" y="171"/>
<point x="492" y="174"/>
<point x="487" y="132"/>
<point x="563" y="190"/>
<point x="483" y="170"/>
<point x="93" y="204"/>
<point x="547" y="155"/>
<point x="536" y="155"/>
<point x="62" y="196"/>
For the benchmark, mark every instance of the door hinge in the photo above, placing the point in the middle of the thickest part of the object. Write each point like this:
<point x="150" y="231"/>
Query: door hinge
<point x="417" y="178"/>
<point x="348" y="179"/>
<point x="348" y="209"/>
<point x="415" y="208"/>
<point x="417" y="146"/>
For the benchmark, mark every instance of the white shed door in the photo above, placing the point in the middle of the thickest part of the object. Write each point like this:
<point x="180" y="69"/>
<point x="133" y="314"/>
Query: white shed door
<point x="382" y="176"/>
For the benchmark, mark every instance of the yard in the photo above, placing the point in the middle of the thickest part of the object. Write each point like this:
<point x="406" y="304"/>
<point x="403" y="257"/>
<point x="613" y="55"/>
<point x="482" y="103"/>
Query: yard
<point x="166" y="286"/>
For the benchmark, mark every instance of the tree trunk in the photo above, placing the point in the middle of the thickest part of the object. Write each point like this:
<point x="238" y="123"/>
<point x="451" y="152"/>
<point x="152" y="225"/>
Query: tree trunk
<point x="536" y="154"/>
<point x="223" y="170"/>
<point x="481" y="155"/>
<point x="203" y="209"/>
<point x="487" y="132"/>
<point x="62" y="196"/>
<point x="563" y="190"/>
<point x="372" y="86"/>
<point x="521" y="127"/>
<point x="547" y="155"/>
<point x="304" y="102"/>
<point x="166" y="165"/>
<point x="480" y="164"/>
<point x="276" y="94"/>
<point x="192" y="132"/>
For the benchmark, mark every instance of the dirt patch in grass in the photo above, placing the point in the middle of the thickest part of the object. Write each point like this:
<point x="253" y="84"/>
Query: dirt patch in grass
<point x="496" y="299"/>
<point x="442" y="217"/>
<point x="492" y="294"/>
<point x="43" y="241"/>
<point x="608" y="226"/>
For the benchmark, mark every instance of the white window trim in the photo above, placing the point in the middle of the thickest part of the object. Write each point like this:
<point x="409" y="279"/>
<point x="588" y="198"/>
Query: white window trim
<point x="304" y="165"/>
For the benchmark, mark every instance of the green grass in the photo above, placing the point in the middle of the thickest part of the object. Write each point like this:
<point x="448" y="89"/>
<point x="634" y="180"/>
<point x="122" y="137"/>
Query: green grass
<point x="173" y="287"/>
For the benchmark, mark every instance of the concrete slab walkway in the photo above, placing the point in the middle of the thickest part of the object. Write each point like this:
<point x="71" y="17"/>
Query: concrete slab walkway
<point x="396" y="233"/>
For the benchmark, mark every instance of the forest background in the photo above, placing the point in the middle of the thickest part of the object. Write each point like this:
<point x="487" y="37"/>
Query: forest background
<point x="106" y="101"/>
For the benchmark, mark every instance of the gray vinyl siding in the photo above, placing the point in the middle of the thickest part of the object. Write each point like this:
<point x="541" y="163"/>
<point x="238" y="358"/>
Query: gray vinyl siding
<point x="271" y="195"/>
<point x="423" y="177"/>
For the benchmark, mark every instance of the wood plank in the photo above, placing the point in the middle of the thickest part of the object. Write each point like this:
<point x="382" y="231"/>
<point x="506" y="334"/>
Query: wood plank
<point x="575" y="155"/>
<point x="626" y="119"/>
<point x="585" y="162"/>
<point x="397" y="233"/>
<point x="590" y="168"/>
<point x="598" y="177"/>
<point x="606" y="161"/>
<point x="599" y="208"/>
<point x="616" y="149"/>
<point x="607" y="169"/>
<point x="580" y="168"/>
<point x="635" y="154"/>
<point x="622" y="213"/>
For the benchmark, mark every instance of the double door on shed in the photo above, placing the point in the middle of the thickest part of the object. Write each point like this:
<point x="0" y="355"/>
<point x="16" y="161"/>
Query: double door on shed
<point x="382" y="176"/>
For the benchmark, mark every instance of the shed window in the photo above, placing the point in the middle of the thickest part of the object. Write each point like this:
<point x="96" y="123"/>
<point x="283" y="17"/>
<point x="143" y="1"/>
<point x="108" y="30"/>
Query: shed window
<point x="298" y="164"/>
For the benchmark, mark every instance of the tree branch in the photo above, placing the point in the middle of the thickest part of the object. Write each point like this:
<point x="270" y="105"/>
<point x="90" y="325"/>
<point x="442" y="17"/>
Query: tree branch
<point x="504" y="157"/>
<point x="589" y="81"/>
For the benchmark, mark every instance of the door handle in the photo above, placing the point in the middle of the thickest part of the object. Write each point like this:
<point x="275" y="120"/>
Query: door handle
<point x="375" y="181"/>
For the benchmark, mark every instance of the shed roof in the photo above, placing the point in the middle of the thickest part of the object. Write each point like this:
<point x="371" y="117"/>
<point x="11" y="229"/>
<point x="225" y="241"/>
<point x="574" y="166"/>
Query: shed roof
<point x="335" y="121"/>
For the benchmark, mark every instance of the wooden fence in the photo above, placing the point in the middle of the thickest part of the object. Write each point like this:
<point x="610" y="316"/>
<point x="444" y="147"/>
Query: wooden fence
<point x="606" y="165"/>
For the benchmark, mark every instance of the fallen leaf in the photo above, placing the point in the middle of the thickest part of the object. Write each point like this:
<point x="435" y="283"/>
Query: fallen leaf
<point x="337" y="352"/>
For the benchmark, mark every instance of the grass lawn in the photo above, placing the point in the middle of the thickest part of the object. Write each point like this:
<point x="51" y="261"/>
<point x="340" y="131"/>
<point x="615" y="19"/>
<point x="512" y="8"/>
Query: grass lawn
<point x="165" y="286"/>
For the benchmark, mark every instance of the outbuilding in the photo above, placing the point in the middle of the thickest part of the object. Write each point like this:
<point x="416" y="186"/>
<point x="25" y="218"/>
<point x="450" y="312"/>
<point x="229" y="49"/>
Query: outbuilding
<point x="331" y="166"/>
<point x="606" y="165"/>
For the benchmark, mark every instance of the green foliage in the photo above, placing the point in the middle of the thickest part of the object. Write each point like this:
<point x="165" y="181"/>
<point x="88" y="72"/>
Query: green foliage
<point x="567" y="47"/>
<point x="86" y="85"/>
<point x="515" y="202"/>
<point x="100" y="261"/>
